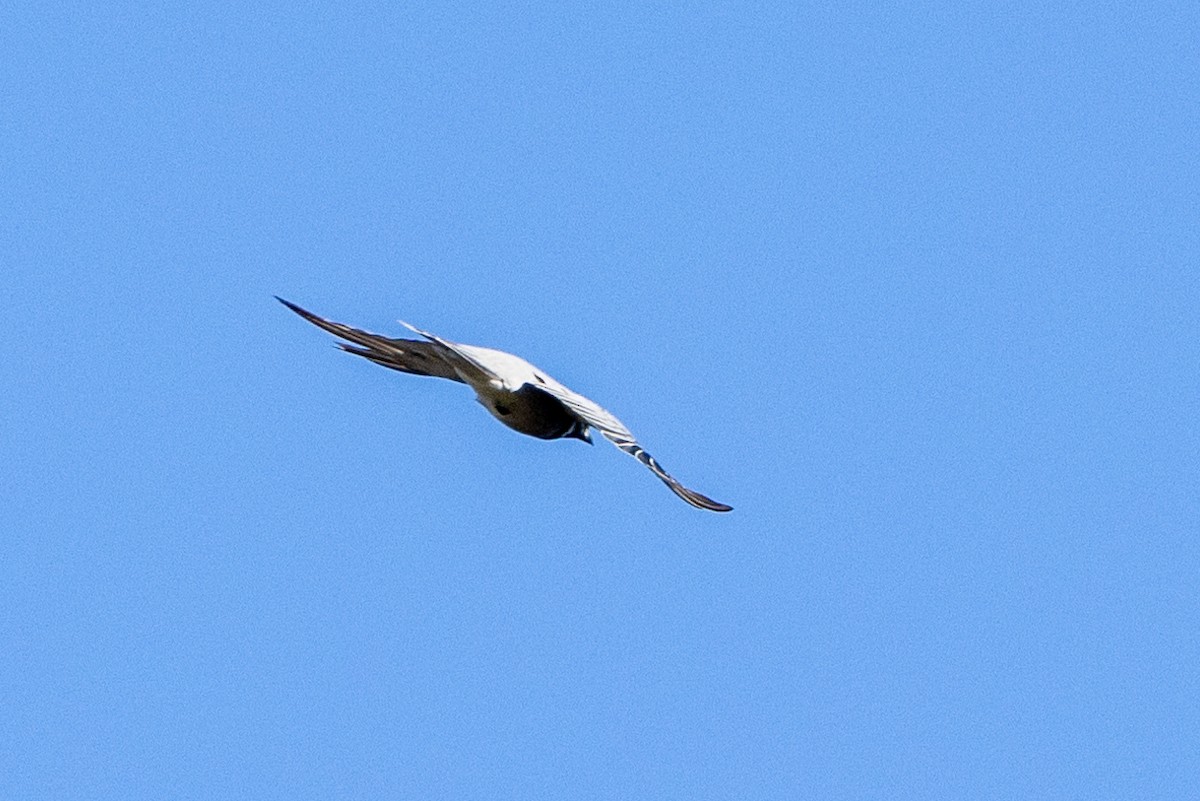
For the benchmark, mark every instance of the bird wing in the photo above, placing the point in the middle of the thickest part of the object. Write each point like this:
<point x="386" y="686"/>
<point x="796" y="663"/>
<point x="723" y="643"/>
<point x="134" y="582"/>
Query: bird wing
<point x="406" y="355"/>
<point x="485" y="369"/>
<point x="615" y="432"/>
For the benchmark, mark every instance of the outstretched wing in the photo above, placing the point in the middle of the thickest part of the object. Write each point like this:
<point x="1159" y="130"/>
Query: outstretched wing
<point x="615" y="432"/>
<point x="406" y="355"/>
<point x="471" y="369"/>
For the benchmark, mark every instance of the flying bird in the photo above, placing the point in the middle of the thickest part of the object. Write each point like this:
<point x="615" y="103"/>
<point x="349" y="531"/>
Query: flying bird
<point x="514" y="391"/>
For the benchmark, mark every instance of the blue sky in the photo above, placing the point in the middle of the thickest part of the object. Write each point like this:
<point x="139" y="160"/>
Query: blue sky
<point x="915" y="290"/>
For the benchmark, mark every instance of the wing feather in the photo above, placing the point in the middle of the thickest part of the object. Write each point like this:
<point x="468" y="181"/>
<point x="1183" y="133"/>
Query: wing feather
<point x="615" y="432"/>
<point x="406" y="355"/>
<point x="474" y="372"/>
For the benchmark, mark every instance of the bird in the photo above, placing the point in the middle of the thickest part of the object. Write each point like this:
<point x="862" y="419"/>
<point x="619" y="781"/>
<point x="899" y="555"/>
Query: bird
<point x="518" y="394"/>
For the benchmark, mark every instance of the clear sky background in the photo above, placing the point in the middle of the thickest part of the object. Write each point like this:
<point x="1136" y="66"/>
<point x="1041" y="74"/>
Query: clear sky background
<point x="915" y="290"/>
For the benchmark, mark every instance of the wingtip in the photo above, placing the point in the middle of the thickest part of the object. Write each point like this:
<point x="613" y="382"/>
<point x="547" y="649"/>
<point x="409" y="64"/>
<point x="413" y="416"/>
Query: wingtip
<point x="300" y="310"/>
<point x="699" y="500"/>
<point x="711" y="505"/>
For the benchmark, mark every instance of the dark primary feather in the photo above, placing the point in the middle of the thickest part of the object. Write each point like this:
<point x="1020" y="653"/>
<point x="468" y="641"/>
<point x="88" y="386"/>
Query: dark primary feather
<point x="691" y="496"/>
<point x="406" y="355"/>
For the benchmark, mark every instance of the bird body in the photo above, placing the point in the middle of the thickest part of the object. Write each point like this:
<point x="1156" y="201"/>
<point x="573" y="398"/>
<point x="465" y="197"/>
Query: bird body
<point x="531" y="411"/>
<point x="513" y="391"/>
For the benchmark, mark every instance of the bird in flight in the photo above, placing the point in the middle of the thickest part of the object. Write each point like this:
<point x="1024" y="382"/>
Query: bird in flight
<point x="515" y="392"/>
